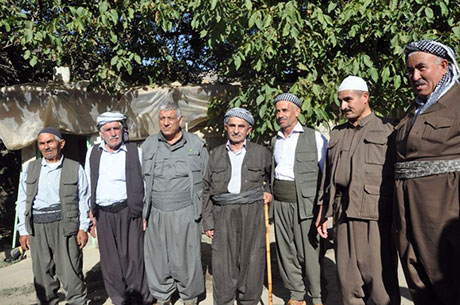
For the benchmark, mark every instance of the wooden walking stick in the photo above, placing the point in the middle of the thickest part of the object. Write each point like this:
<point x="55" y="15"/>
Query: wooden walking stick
<point x="269" y="266"/>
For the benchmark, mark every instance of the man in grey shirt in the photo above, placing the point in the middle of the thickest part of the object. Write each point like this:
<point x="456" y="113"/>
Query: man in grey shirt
<point x="53" y="204"/>
<point x="114" y="171"/>
<point x="173" y="166"/>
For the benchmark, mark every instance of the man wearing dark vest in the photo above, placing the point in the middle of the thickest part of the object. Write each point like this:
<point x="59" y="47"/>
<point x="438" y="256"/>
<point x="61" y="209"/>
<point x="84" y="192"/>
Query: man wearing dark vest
<point x="173" y="166"/>
<point x="427" y="173"/>
<point x="236" y="187"/>
<point x="53" y="205"/>
<point x="114" y="171"/>
<point x="298" y="156"/>
<point x="357" y="190"/>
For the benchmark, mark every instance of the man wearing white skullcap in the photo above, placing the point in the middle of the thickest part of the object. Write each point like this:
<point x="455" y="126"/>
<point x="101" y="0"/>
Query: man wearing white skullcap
<point x="117" y="190"/>
<point x="427" y="173"/>
<point x="357" y="190"/>
<point x="298" y="157"/>
<point x="236" y="186"/>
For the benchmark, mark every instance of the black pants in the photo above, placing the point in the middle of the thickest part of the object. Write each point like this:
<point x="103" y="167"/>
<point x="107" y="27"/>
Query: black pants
<point x="121" y="246"/>
<point x="238" y="253"/>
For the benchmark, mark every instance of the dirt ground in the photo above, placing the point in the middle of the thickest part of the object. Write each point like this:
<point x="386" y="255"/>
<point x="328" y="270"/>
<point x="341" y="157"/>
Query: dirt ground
<point x="16" y="281"/>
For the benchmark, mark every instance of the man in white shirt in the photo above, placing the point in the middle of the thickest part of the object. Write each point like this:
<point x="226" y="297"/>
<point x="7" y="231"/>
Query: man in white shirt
<point x="298" y="155"/>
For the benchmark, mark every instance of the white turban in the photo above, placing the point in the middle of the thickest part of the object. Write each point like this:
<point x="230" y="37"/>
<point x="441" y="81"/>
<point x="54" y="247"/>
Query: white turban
<point x="353" y="83"/>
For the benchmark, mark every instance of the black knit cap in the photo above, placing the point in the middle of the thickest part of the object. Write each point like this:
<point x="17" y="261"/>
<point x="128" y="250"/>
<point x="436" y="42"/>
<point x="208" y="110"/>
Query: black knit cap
<point x="51" y="130"/>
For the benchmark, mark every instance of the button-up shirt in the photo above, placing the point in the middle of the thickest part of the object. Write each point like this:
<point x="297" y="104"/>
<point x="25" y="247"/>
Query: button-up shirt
<point x="236" y="160"/>
<point x="111" y="184"/>
<point x="284" y="152"/>
<point x="48" y="194"/>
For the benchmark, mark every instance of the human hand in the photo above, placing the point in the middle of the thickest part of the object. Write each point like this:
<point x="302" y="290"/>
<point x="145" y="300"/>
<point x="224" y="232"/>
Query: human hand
<point x="24" y="240"/>
<point x="267" y="197"/>
<point x="82" y="238"/>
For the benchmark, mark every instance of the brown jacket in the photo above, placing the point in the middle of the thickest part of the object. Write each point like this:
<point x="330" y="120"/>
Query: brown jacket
<point x="371" y="184"/>
<point x="255" y="172"/>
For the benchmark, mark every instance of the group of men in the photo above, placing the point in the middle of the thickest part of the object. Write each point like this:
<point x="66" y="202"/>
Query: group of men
<point x="389" y="189"/>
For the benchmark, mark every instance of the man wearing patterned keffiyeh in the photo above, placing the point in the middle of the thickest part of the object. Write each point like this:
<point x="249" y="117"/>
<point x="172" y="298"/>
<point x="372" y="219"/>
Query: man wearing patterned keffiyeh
<point x="427" y="176"/>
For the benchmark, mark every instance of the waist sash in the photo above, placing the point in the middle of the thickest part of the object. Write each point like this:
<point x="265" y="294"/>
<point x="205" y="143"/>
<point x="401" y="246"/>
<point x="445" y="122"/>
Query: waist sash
<point x="284" y="190"/>
<point x="241" y="198"/>
<point x="171" y="201"/>
<point x="417" y="169"/>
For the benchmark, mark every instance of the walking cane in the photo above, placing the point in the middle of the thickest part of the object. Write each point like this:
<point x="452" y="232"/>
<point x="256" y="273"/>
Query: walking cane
<point x="269" y="266"/>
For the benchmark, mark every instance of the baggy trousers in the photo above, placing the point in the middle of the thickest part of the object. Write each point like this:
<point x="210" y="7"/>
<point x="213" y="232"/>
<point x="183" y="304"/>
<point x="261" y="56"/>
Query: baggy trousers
<point x="298" y="251"/>
<point x="121" y="248"/>
<point x="366" y="263"/>
<point x="173" y="254"/>
<point x="56" y="259"/>
<point x="238" y="253"/>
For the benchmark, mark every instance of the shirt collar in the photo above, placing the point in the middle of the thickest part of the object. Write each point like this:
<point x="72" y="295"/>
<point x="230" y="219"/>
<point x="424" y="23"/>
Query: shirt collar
<point x="121" y="148"/>
<point x="53" y="165"/>
<point x="297" y="129"/>
<point x="363" y="121"/>
<point x="229" y="148"/>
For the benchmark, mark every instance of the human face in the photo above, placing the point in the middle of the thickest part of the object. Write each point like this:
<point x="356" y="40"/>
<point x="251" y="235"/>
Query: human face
<point x="170" y="123"/>
<point x="49" y="147"/>
<point x="354" y="105"/>
<point x="112" y="135"/>
<point x="425" y="71"/>
<point x="286" y="115"/>
<point x="237" y="130"/>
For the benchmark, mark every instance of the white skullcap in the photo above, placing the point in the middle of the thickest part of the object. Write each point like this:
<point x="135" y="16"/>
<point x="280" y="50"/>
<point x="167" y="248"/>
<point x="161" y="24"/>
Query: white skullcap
<point x="353" y="83"/>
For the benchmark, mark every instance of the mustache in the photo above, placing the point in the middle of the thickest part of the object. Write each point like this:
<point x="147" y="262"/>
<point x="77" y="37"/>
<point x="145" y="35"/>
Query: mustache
<point x="419" y="82"/>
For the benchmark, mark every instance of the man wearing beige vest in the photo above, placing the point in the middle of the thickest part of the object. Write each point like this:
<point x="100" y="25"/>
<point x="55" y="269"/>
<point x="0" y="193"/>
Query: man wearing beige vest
<point x="53" y="205"/>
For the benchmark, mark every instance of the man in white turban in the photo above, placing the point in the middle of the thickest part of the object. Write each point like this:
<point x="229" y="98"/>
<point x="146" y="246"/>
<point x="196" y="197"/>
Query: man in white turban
<point x="117" y="190"/>
<point x="357" y="190"/>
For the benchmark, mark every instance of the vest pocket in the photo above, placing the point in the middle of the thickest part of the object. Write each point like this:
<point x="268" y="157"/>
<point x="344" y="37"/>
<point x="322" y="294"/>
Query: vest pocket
<point x="436" y="129"/>
<point x="254" y="174"/>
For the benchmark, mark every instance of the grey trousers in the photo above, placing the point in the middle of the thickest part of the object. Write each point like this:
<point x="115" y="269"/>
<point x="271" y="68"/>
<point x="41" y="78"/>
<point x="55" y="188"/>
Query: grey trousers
<point x="366" y="263"/>
<point x="121" y="246"/>
<point x="56" y="259"/>
<point x="173" y="254"/>
<point x="238" y="253"/>
<point x="298" y="252"/>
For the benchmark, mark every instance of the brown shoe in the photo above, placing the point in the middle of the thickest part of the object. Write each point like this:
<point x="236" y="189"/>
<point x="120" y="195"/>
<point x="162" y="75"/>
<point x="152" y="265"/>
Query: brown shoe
<point x="296" y="302"/>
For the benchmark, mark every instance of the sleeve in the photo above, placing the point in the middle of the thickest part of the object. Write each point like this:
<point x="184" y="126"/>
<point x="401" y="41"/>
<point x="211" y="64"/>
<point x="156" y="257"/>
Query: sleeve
<point x="321" y="146"/>
<point x="208" y="220"/>
<point x="21" y="203"/>
<point x="88" y="166"/>
<point x="83" y="199"/>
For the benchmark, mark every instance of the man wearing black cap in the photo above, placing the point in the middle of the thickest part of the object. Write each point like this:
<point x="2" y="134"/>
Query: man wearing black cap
<point x="114" y="171"/>
<point x="427" y="176"/>
<point x="298" y="158"/>
<point x="53" y="205"/>
<point x="236" y="186"/>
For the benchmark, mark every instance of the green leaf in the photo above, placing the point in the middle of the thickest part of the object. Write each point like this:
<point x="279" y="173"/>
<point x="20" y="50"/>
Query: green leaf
<point x="456" y="31"/>
<point x="137" y="59"/>
<point x="331" y="6"/>
<point x="28" y="35"/>
<point x="80" y="11"/>
<point x="302" y="67"/>
<point x="260" y="99"/>
<point x="374" y="74"/>
<point x="248" y="4"/>
<point x="237" y="62"/>
<point x="114" y="60"/>
<point x="114" y="15"/>
<point x="213" y="4"/>
<point x="26" y="54"/>
<point x="397" y="81"/>
<point x="262" y="110"/>
<point x="444" y="9"/>
<point x="33" y="61"/>
<point x="429" y="12"/>
<point x="252" y="20"/>
<point x="103" y="7"/>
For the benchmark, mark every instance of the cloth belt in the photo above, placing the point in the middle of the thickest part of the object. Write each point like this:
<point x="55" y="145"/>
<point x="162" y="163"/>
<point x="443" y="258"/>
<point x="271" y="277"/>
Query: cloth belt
<point x="284" y="190"/>
<point x="247" y="197"/>
<point x="47" y="215"/>
<point x="417" y="169"/>
<point x="114" y="207"/>
<point x="171" y="201"/>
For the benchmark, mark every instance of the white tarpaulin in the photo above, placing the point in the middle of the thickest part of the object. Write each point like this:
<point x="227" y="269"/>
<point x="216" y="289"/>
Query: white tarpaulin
<point x="26" y="109"/>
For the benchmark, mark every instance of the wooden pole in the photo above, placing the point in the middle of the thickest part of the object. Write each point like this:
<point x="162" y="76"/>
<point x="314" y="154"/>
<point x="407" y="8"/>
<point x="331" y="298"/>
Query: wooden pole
<point x="269" y="266"/>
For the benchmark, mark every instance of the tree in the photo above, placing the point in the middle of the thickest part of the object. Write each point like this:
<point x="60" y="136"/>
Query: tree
<point x="305" y="47"/>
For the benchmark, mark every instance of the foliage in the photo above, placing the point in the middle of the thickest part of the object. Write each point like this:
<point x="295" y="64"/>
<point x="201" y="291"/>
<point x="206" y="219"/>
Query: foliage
<point x="267" y="46"/>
